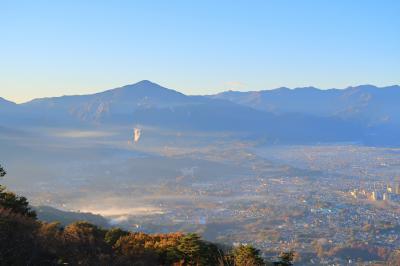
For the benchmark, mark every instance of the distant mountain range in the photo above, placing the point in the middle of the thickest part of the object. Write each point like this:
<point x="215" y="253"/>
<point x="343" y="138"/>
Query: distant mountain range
<point x="366" y="102"/>
<point x="364" y="114"/>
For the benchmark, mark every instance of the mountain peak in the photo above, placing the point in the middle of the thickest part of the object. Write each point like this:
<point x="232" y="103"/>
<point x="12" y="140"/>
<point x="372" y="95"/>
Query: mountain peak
<point x="143" y="85"/>
<point x="145" y="82"/>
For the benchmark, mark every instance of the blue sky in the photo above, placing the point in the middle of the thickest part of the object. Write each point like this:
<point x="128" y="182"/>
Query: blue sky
<point x="51" y="48"/>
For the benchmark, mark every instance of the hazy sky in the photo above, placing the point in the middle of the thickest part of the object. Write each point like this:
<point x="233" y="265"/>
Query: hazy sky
<point x="51" y="48"/>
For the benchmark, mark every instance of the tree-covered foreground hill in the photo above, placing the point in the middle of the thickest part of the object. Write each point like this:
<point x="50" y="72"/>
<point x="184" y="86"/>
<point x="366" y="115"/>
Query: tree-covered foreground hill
<point x="24" y="240"/>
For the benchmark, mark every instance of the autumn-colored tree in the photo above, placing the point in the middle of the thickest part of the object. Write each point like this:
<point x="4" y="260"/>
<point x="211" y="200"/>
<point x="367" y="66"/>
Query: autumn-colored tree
<point x="137" y="249"/>
<point x="394" y="258"/>
<point x="85" y="244"/>
<point x="49" y="238"/>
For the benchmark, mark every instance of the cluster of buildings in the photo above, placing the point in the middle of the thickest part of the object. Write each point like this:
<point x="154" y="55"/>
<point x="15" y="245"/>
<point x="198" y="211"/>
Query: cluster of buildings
<point x="390" y="192"/>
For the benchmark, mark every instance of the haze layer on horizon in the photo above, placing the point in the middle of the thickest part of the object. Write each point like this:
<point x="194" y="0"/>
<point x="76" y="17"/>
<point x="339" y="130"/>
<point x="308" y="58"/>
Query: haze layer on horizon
<point x="73" y="47"/>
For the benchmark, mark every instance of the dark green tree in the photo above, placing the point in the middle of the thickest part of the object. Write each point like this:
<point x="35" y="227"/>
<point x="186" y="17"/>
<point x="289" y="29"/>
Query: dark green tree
<point x="2" y="171"/>
<point x="12" y="202"/>
<point x="247" y="255"/>
<point x="190" y="249"/>
<point x="194" y="251"/>
<point x="17" y="238"/>
<point x="113" y="235"/>
<point x="211" y="254"/>
<point x="16" y="204"/>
